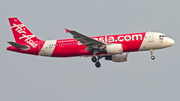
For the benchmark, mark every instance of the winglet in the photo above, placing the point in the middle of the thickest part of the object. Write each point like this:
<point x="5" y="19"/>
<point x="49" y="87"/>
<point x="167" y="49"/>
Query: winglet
<point x="67" y="30"/>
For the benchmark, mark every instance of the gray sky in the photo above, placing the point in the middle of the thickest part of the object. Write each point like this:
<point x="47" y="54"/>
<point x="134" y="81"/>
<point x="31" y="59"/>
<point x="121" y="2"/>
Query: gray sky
<point x="33" y="78"/>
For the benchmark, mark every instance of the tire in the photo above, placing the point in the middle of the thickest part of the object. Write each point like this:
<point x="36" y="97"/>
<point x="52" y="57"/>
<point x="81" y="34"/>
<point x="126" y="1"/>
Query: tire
<point x="97" y="64"/>
<point x="152" y="57"/>
<point x="94" y="59"/>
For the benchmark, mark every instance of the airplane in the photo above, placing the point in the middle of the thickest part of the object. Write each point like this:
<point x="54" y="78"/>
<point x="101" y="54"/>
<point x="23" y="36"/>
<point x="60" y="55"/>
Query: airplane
<point x="111" y="47"/>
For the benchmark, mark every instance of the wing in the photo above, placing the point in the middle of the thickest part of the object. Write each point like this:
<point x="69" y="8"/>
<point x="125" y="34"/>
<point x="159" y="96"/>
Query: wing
<point x="85" y="40"/>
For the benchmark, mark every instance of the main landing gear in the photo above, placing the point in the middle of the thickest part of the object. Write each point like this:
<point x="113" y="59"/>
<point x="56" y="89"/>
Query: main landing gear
<point x="96" y="61"/>
<point x="152" y="57"/>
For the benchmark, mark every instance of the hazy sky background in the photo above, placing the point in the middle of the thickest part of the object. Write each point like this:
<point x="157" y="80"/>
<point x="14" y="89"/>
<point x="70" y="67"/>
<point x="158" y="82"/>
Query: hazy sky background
<point x="34" y="78"/>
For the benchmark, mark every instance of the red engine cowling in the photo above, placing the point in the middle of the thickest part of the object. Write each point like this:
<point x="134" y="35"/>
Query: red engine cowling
<point x="118" y="57"/>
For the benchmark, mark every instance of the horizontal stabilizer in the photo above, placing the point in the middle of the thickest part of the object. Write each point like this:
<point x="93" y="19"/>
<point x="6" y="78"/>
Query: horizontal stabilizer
<point x="17" y="45"/>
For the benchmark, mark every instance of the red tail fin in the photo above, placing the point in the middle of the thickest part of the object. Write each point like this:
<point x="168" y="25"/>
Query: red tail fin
<point x="22" y="34"/>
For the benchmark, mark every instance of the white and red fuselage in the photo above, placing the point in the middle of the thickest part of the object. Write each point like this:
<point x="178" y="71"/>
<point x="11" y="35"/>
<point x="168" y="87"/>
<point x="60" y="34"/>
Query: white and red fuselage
<point x="71" y="47"/>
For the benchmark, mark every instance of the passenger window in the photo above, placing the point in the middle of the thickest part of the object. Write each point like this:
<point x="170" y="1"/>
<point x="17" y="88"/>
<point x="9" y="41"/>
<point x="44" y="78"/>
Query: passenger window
<point x="49" y="45"/>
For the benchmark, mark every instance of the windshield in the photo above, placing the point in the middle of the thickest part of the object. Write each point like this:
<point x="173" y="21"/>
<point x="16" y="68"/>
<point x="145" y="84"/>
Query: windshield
<point x="162" y="36"/>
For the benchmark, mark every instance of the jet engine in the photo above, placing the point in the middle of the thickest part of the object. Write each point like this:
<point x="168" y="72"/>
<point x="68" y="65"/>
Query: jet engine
<point x="118" y="57"/>
<point x="113" y="49"/>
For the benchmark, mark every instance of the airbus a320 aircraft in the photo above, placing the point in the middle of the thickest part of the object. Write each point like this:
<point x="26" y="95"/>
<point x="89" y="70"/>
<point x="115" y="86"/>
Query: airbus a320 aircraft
<point x="111" y="47"/>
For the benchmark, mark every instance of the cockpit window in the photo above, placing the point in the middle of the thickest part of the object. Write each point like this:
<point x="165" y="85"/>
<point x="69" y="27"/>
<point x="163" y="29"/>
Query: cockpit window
<point x="162" y="36"/>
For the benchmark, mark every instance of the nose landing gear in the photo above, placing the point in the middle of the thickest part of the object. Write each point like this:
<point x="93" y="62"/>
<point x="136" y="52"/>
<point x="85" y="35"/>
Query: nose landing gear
<point x="152" y="57"/>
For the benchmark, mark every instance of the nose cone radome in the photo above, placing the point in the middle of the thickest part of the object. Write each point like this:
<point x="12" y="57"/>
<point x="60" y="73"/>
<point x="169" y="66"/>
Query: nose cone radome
<point x="171" y="42"/>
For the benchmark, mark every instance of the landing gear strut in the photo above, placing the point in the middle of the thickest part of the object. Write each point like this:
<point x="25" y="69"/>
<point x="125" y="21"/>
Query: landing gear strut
<point x="152" y="57"/>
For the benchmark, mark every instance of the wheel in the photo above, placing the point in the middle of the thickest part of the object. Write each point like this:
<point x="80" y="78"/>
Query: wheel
<point x="152" y="57"/>
<point x="97" y="64"/>
<point x="94" y="59"/>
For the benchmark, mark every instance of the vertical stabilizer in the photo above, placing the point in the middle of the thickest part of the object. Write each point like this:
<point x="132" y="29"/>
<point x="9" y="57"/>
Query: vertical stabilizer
<point x="21" y="34"/>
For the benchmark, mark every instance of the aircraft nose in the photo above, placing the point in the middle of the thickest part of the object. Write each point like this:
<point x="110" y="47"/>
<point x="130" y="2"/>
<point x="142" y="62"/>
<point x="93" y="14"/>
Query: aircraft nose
<point x="171" y="42"/>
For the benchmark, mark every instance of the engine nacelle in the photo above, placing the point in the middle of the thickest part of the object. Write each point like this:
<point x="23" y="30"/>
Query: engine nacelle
<point x="114" y="49"/>
<point x="118" y="57"/>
